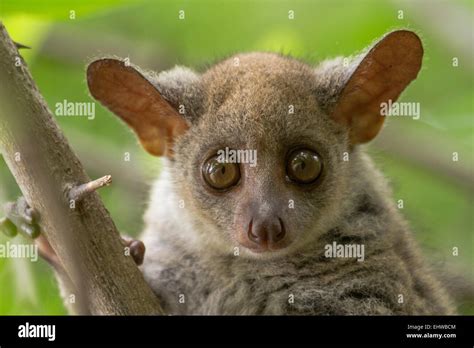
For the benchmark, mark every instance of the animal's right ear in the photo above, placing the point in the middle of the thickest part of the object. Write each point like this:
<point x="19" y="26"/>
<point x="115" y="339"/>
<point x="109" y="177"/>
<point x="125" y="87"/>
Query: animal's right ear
<point x="353" y="93"/>
<point x="382" y="74"/>
<point x="131" y="96"/>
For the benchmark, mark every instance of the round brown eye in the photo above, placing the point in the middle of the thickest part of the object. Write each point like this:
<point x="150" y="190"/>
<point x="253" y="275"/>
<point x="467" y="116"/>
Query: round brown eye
<point x="220" y="175"/>
<point x="304" y="166"/>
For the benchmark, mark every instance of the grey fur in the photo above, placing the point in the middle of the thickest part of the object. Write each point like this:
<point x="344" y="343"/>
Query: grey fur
<point x="190" y="249"/>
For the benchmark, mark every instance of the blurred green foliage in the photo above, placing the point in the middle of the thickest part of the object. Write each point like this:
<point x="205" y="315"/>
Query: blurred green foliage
<point x="438" y="207"/>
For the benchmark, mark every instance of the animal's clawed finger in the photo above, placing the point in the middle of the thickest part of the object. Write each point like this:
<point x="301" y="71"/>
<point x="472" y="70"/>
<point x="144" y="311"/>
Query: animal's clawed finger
<point x="20" y="218"/>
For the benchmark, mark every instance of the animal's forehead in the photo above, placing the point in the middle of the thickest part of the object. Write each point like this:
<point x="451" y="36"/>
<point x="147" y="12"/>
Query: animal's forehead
<point x="258" y="63"/>
<point x="252" y="80"/>
<point x="262" y="98"/>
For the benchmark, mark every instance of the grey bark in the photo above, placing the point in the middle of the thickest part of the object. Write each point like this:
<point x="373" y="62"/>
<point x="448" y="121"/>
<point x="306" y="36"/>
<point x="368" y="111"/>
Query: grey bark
<point x="84" y="237"/>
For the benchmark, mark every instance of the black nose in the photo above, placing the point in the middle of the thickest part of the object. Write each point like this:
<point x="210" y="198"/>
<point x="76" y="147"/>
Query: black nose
<point x="266" y="232"/>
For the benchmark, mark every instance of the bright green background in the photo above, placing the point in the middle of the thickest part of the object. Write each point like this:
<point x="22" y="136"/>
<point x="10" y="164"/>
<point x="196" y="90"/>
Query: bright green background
<point x="437" y="204"/>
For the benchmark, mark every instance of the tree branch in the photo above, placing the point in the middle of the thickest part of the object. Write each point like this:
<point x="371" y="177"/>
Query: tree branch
<point x="77" y="193"/>
<point x="82" y="235"/>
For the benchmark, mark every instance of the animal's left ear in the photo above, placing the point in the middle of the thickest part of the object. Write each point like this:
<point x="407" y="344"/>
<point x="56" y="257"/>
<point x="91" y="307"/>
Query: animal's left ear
<point x="382" y="74"/>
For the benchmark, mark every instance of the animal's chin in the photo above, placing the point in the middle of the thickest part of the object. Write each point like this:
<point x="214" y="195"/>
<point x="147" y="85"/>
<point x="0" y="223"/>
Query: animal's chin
<point x="267" y="251"/>
<point x="266" y="255"/>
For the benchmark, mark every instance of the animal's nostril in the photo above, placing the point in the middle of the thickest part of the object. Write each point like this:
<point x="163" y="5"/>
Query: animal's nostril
<point x="257" y="232"/>
<point x="252" y="236"/>
<point x="282" y="231"/>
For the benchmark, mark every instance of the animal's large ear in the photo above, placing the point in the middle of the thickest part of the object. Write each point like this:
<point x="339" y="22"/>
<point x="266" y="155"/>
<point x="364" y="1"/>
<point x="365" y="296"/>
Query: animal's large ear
<point x="132" y="97"/>
<point x="382" y="74"/>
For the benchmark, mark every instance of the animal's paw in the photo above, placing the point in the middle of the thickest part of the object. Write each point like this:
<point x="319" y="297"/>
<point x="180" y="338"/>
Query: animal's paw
<point x="21" y="218"/>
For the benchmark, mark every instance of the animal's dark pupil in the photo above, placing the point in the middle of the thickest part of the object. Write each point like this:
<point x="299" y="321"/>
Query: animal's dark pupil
<point x="223" y="170"/>
<point x="302" y="165"/>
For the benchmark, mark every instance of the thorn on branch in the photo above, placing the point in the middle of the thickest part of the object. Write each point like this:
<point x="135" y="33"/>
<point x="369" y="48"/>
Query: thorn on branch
<point x="77" y="193"/>
<point x="20" y="45"/>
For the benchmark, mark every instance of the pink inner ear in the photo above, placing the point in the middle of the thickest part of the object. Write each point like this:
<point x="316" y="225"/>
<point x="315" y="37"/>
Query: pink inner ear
<point x="129" y="95"/>
<point x="382" y="75"/>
